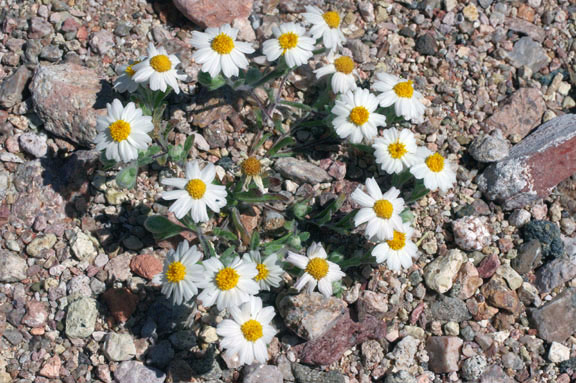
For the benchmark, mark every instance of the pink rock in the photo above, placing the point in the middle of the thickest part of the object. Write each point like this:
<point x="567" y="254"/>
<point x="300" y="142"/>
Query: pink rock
<point x="444" y="352"/>
<point x="534" y="166"/>
<point x="488" y="266"/>
<point x="214" y="13"/>
<point x="471" y="233"/>
<point x="146" y="265"/>
<point x="518" y="114"/>
<point x="469" y="280"/>
<point x="51" y="368"/>
<point x="36" y="314"/>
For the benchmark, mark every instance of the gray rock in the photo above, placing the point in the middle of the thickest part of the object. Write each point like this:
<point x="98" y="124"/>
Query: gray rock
<point x="136" y="372"/>
<point x="426" y="44"/>
<point x="372" y="353"/>
<point x="39" y="28"/>
<point x="119" y="347"/>
<point x="262" y="373"/>
<point x="12" y="267"/>
<point x="444" y="352"/>
<point x="473" y="368"/>
<point x="13" y="87"/>
<point x="360" y="51"/>
<point x="311" y="315"/>
<point x="548" y="234"/>
<point x="33" y="48"/>
<point x="450" y="309"/>
<point x="301" y="171"/>
<point x="554" y="274"/>
<point x="215" y="135"/>
<point x="102" y="41"/>
<point x="400" y="377"/>
<point x="81" y="318"/>
<point x="183" y="340"/>
<point x="404" y="352"/>
<point x="160" y="354"/>
<point x="529" y="257"/>
<point x="530" y="53"/>
<point x="79" y="286"/>
<point x="68" y="98"/>
<point x="303" y="374"/>
<point x="13" y="336"/>
<point x="546" y="318"/>
<point x="495" y="374"/>
<point x="82" y="247"/>
<point x="40" y="244"/>
<point x="371" y="303"/>
<point x="489" y="148"/>
<point x="51" y="53"/>
<point x="512" y="360"/>
<point x="519" y="217"/>
<point x="122" y="29"/>
<point x="33" y="144"/>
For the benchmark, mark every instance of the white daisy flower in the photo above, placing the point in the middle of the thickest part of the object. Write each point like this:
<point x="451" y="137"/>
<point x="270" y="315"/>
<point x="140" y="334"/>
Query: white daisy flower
<point x="355" y="118"/>
<point x="269" y="270"/>
<point x="325" y="25"/>
<point x="252" y="169"/>
<point x="249" y="331"/>
<point x="227" y="286"/>
<point x="318" y="271"/>
<point x="218" y="51"/>
<point x="181" y="273"/>
<point x="124" y="82"/>
<point x="290" y="41"/>
<point x="159" y="70"/>
<point x="434" y="169"/>
<point x="343" y="73"/>
<point x="407" y="101"/>
<point x="197" y="192"/>
<point x="381" y="211"/>
<point x="398" y="251"/>
<point x="123" y="131"/>
<point x="395" y="150"/>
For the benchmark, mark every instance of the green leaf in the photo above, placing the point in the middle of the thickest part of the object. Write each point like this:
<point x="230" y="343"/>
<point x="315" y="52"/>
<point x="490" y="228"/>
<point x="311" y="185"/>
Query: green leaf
<point x="126" y="178"/>
<point x="357" y="261"/>
<point x="304" y="236"/>
<point x="106" y="163"/>
<point x="278" y="126"/>
<point x="253" y="75"/>
<point x="407" y="215"/>
<point x="146" y="157"/>
<point x="255" y="240"/>
<point x="254" y="196"/>
<point x="300" y="209"/>
<point x="175" y="152"/>
<point x="325" y="215"/>
<point x="206" y="80"/>
<point x="419" y="191"/>
<point x="280" y="144"/>
<point x="228" y="256"/>
<point x="161" y="227"/>
<point x="298" y="105"/>
<point x="398" y="180"/>
<point x="187" y="146"/>
<point x="224" y="234"/>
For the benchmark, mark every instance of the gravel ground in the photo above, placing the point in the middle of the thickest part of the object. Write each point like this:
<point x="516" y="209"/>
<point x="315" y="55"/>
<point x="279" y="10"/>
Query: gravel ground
<point x="491" y="297"/>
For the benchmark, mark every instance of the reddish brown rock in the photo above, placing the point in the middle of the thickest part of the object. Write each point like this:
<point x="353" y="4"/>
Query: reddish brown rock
<point x="444" y="352"/>
<point x="535" y="165"/>
<point x="146" y="265"/>
<point x="499" y="295"/>
<point x="468" y="280"/>
<point x="518" y="114"/>
<point x="214" y="13"/>
<point x="121" y="303"/>
<point x="344" y="335"/>
<point x="480" y="310"/>
<point x="51" y="368"/>
<point x="488" y="266"/>
<point x="36" y="314"/>
<point x="556" y="320"/>
<point x="68" y="98"/>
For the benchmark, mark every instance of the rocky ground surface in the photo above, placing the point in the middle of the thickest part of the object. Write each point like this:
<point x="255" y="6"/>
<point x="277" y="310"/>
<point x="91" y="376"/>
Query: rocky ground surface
<point x="492" y="297"/>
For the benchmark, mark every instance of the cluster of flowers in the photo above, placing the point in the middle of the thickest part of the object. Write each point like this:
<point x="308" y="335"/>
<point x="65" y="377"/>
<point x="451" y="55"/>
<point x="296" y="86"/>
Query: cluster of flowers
<point x="234" y="286"/>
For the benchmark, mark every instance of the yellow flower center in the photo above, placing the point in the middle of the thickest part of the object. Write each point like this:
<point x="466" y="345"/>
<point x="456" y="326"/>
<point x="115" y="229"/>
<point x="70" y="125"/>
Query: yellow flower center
<point x="332" y="19"/>
<point x="344" y="64"/>
<point x="227" y="278"/>
<point x="176" y="272"/>
<point x="359" y="115"/>
<point x="119" y="130"/>
<point x="404" y="89"/>
<point x="317" y="268"/>
<point x="222" y="44"/>
<point x="435" y="162"/>
<point x="160" y="63"/>
<point x="383" y="208"/>
<point x="129" y="71"/>
<point x="196" y="188"/>
<point x="397" y="150"/>
<point x="251" y="166"/>
<point x="262" y="272"/>
<point x="287" y="41"/>
<point x="398" y="242"/>
<point x="252" y="330"/>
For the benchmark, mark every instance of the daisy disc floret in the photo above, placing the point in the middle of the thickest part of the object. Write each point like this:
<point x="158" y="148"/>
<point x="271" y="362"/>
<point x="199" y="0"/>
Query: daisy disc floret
<point x="343" y="73"/>
<point x="400" y="93"/>
<point x="195" y="192"/>
<point x="248" y="332"/>
<point x="395" y="150"/>
<point x="158" y="70"/>
<point x="269" y="269"/>
<point x="356" y="119"/>
<point x="181" y="273"/>
<point x="251" y="168"/>
<point x="398" y="251"/>
<point x="228" y="286"/>
<point x="318" y="271"/>
<point x="325" y="25"/>
<point x="123" y="132"/>
<point x="380" y="211"/>
<point x="290" y="41"/>
<point x="125" y="82"/>
<point x="218" y="51"/>
<point x="435" y="170"/>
